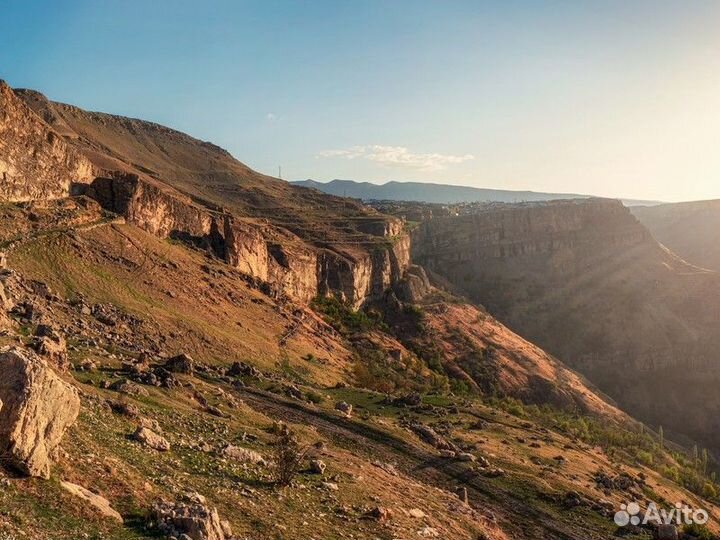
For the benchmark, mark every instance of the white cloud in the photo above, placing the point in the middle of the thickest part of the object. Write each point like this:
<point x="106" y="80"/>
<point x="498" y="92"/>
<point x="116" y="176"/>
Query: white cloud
<point x="270" y="117"/>
<point x="397" y="156"/>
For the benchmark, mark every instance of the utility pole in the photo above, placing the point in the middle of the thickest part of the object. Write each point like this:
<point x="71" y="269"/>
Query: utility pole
<point x="280" y="172"/>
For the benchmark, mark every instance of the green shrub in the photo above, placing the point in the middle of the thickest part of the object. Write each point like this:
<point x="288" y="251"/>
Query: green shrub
<point x="698" y="531"/>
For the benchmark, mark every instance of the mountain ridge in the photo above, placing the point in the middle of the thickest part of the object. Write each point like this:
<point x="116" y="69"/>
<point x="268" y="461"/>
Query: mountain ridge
<point x="429" y="192"/>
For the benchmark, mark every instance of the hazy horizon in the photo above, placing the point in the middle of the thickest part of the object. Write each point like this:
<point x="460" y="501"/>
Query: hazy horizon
<point x="451" y="184"/>
<point x="604" y="98"/>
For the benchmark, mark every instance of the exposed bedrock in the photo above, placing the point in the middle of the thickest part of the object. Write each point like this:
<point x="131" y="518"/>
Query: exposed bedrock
<point x="35" y="162"/>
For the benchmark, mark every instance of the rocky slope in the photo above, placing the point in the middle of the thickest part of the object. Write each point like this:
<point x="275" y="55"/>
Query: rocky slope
<point x="688" y="229"/>
<point x="588" y="283"/>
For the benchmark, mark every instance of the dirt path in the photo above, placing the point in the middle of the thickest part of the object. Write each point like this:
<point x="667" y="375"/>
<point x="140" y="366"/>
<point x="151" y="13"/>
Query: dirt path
<point x="414" y="461"/>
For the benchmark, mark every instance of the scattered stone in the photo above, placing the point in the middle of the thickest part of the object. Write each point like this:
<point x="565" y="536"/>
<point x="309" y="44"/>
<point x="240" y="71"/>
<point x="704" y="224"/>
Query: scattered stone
<point x="493" y="472"/>
<point x="96" y="501"/>
<point x="433" y="438"/>
<point x="293" y="391"/>
<point x="243" y="455"/>
<point x="124" y="408"/>
<point x="344" y="408"/>
<point x="151" y="439"/>
<point x="191" y="519"/>
<point x="182" y="363"/>
<point x="417" y="513"/>
<point x="408" y="400"/>
<point x="37" y="408"/>
<point x="241" y="369"/>
<point x="130" y="388"/>
<point x="317" y="466"/>
<point x="379" y="513"/>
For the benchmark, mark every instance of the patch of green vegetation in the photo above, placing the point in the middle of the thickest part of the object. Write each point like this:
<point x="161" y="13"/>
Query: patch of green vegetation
<point x="701" y="532"/>
<point x="623" y="444"/>
<point x="344" y="319"/>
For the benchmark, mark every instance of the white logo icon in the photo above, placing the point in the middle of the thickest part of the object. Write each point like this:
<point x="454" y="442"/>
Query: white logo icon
<point x="628" y="515"/>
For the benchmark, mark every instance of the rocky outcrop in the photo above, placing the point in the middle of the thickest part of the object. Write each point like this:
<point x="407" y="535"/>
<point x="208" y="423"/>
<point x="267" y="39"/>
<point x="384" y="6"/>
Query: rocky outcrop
<point x="245" y="247"/>
<point x="414" y="285"/>
<point x="383" y="226"/>
<point x="98" y="502"/>
<point x="35" y="162"/>
<point x="37" y="408"/>
<point x="192" y="518"/>
<point x="358" y="277"/>
<point x="162" y="212"/>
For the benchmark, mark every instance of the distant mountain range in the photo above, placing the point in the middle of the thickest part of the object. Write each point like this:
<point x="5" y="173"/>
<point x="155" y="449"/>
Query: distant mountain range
<point x="440" y="193"/>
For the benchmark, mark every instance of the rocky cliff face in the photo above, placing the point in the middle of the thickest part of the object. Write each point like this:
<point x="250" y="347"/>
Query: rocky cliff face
<point x="256" y="247"/>
<point x="144" y="172"/>
<point x="35" y="162"/>
<point x="588" y="283"/>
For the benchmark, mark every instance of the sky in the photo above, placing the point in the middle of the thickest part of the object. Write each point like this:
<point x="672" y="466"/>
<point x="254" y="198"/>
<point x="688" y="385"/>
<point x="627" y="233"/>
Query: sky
<point x="611" y="98"/>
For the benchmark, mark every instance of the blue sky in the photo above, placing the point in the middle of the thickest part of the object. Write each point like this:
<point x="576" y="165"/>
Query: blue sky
<point x="611" y="98"/>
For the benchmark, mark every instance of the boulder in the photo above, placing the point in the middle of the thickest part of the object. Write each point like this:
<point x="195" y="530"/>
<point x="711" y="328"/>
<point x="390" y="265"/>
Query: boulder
<point x="344" y="408"/>
<point x="101" y="504"/>
<point x="151" y="439"/>
<point x="182" y="363"/>
<point x="379" y="513"/>
<point x="243" y="455"/>
<point x="37" y="408"/>
<point x="192" y="518"/>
